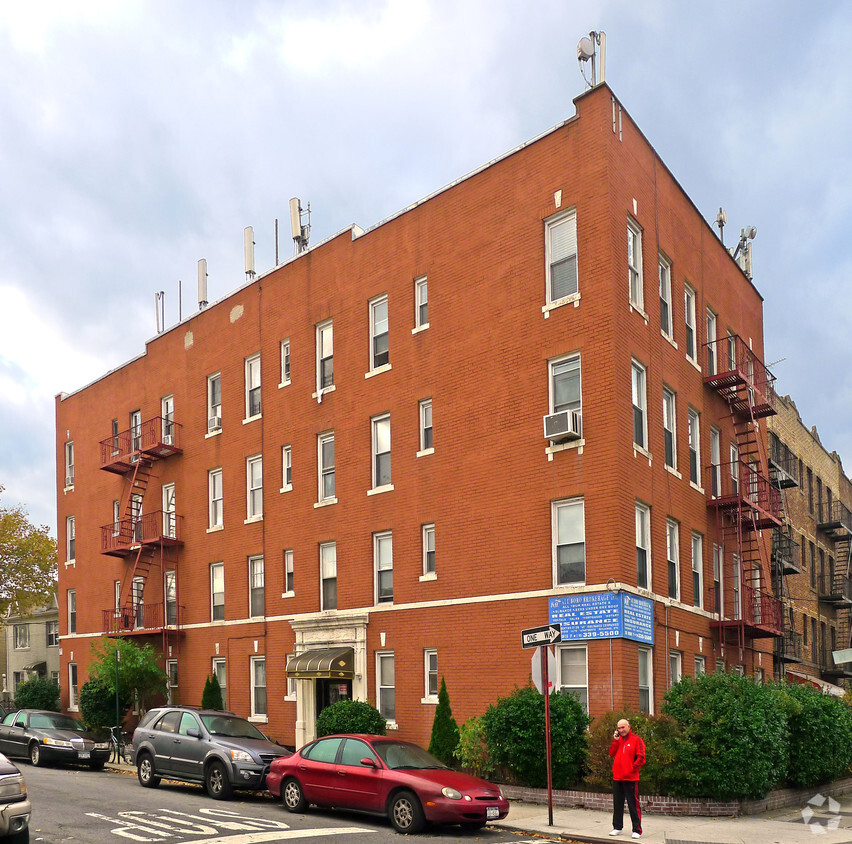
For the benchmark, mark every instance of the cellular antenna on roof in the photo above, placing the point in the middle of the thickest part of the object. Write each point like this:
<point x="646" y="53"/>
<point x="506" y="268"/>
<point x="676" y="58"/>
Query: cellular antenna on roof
<point x="301" y="231"/>
<point x="248" y="245"/>
<point x="202" y="284"/>
<point x="586" y="51"/>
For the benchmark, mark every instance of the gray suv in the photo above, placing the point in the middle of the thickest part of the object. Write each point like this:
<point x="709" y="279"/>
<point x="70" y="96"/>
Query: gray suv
<point x="14" y="804"/>
<point x="219" y="749"/>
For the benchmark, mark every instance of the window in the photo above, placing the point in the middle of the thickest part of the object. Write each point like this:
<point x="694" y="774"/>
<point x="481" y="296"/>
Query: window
<point x="217" y="591"/>
<point x="634" y="265"/>
<point x="135" y="432"/>
<point x="732" y="350"/>
<point x="287" y="468"/>
<point x="117" y="597"/>
<point x="253" y="407"/>
<point x="573" y="676"/>
<point x="646" y="681"/>
<point x="254" y="487"/>
<point x="717" y="578"/>
<point x="52" y="633"/>
<point x="810" y="491"/>
<point x="561" y="248"/>
<point x="325" y="356"/>
<point x="700" y="666"/>
<point x="137" y="595"/>
<point x="715" y="462"/>
<point x="72" y="686"/>
<point x="712" y="363"/>
<point x="170" y="590"/>
<point x="643" y="546"/>
<point x="214" y="402"/>
<point x="72" y="610"/>
<point x="694" y="447"/>
<point x="172" y="672"/>
<point x="69" y="464"/>
<point x="288" y="571"/>
<point x="220" y="672"/>
<point x="385" y="685"/>
<point x="428" y="549"/>
<point x="689" y="317"/>
<point x="640" y="405"/>
<point x="257" y="605"/>
<point x="569" y="541"/>
<point x="673" y="558"/>
<point x="426" y="425"/>
<point x="697" y="570"/>
<point x="735" y="586"/>
<point x="71" y="538"/>
<point x="430" y="665"/>
<point x="379" y="350"/>
<point x="115" y="437"/>
<point x="22" y="636"/>
<point x="258" y="686"/>
<point x="565" y="393"/>
<point x="291" y="681"/>
<point x="169" y="514"/>
<point x="383" y="562"/>
<point x="214" y="485"/>
<point x="669" y="427"/>
<point x="734" y="454"/>
<point x="285" y="362"/>
<point x="381" y="451"/>
<point x="665" y="297"/>
<point x="421" y="303"/>
<point x="325" y="460"/>
<point x="675" y="667"/>
<point x="116" y="516"/>
<point x="167" y="419"/>
<point x="328" y="575"/>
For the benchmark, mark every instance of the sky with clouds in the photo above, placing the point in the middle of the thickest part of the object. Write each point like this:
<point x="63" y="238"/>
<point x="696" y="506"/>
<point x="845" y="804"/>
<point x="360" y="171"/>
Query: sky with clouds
<point x="138" y="137"/>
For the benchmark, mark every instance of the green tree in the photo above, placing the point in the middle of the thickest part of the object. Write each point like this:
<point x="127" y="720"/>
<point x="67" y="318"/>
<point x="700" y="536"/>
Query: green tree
<point x="97" y="705"/>
<point x="38" y="693"/>
<point x="27" y="563"/>
<point x="211" y="697"/>
<point x="351" y="716"/>
<point x="139" y="672"/>
<point x="445" y="730"/>
<point x="472" y="753"/>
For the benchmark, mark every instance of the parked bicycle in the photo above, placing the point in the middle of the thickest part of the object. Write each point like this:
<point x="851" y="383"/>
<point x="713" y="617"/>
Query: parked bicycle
<point x="119" y="746"/>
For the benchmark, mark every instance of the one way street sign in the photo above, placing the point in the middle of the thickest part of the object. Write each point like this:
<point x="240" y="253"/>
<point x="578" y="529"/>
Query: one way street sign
<point x="549" y="634"/>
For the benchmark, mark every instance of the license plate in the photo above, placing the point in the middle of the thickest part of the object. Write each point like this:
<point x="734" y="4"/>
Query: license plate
<point x="83" y="754"/>
<point x="492" y="812"/>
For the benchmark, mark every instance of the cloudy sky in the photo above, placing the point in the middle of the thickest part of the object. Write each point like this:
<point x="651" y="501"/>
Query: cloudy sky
<point x="137" y="137"/>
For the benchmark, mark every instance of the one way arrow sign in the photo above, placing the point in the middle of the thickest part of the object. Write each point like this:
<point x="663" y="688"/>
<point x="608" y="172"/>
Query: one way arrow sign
<point x="549" y="634"/>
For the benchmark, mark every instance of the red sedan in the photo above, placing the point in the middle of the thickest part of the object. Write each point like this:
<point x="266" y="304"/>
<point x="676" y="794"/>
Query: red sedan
<point x="384" y="776"/>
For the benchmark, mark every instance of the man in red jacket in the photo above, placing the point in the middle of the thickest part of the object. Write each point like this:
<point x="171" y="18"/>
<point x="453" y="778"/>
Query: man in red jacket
<point x="628" y="756"/>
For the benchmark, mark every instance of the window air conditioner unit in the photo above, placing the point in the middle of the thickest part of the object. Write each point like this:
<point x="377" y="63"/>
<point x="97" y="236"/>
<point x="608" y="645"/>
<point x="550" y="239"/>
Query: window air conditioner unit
<point x="563" y="426"/>
<point x="214" y="423"/>
<point x="69" y="480"/>
<point x="168" y="439"/>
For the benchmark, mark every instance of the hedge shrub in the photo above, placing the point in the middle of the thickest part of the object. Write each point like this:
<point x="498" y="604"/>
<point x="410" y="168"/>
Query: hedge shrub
<point x="351" y="716"/>
<point x="38" y="693"/>
<point x="97" y="705"/>
<point x="472" y="752"/>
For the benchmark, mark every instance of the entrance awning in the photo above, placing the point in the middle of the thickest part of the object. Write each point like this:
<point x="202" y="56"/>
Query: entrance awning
<point x="331" y="663"/>
<point x="41" y="667"/>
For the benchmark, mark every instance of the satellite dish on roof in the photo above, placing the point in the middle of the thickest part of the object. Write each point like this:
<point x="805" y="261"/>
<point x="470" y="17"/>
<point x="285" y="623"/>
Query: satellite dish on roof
<point x="585" y="49"/>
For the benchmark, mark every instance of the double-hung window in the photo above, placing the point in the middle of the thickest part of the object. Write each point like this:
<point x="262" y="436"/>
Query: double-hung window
<point x="697" y="570"/>
<point x="52" y="634"/>
<point x="565" y="390"/>
<point x="717" y="578"/>
<point x="220" y="672"/>
<point x="634" y="265"/>
<point x="643" y="546"/>
<point x="665" y="297"/>
<point x="169" y="511"/>
<point x="72" y="686"/>
<point x="675" y="667"/>
<point x="253" y="407"/>
<point x="383" y="562"/>
<point x="258" y="687"/>
<point x="428" y="549"/>
<point x="167" y="419"/>
<point x="640" y="405"/>
<point x="381" y="451"/>
<point x="689" y="316"/>
<point x="286" y="468"/>
<point x="430" y="669"/>
<point x="673" y="557"/>
<point x="216" y="514"/>
<point x="328" y="575"/>
<point x="285" y="362"/>
<point x="561" y="248"/>
<point x="325" y="355"/>
<point x="421" y="303"/>
<point x="170" y="593"/>
<point x="694" y="446"/>
<point x="646" y="680"/>
<point x="325" y="460"/>
<point x="71" y="538"/>
<point x="288" y="571"/>
<point x="217" y="591"/>
<point x="734" y="453"/>
<point x="426" y="425"/>
<point x="700" y="666"/>
<point x="22" y="636"/>
<point x="386" y="685"/>
<point x="669" y="427"/>
<point x="172" y="673"/>
<point x="379" y="349"/>
<point x="69" y="464"/>
<point x="214" y="402"/>
<point x="257" y="604"/>
<point x="711" y="343"/>
<point x="715" y="462"/>
<point x="573" y="674"/>
<point x="569" y="541"/>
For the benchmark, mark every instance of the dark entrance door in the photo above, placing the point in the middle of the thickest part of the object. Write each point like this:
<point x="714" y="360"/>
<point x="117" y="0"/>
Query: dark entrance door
<point x="331" y="691"/>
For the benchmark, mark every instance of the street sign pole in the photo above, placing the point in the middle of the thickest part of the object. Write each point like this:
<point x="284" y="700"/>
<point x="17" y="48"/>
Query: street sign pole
<point x="546" y="686"/>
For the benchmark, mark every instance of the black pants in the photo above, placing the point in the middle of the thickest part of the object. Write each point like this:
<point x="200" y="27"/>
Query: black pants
<point x="626" y="790"/>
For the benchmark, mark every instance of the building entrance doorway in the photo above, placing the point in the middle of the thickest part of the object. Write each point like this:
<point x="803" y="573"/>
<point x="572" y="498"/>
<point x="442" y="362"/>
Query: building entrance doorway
<point x="331" y="691"/>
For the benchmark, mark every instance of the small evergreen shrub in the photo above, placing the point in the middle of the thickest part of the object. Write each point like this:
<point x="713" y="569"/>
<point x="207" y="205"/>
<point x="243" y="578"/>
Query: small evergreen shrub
<point x="472" y="752"/>
<point x="211" y="697"/>
<point x="351" y="716"/>
<point x="38" y="693"/>
<point x="515" y="736"/>
<point x="445" y="730"/>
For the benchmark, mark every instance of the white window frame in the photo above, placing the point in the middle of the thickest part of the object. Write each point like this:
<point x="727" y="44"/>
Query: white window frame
<point x="254" y="488"/>
<point x="172" y="682"/>
<point x="169" y="511"/>
<point x="22" y="637"/>
<point x="734" y="455"/>
<point x="428" y="534"/>
<point x="673" y="559"/>
<point x="694" y="432"/>
<point x="698" y="570"/>
<point x="137" y="598"/>
<point x="117" y="597"/>
<point x="717" y="580"/>
<point x="169" y="595"/>
<point x="666" y="321"/>
<point x="290" y="693"/>
<point x="73" y="705"/>
<point x="286" y="468"/>
<point x="556" y="507"/>
<point x="646" y="656"/>
<point x="639" y="398"/>
<point x="217" y="571"/>
<point x="167" y="418"/>
<point x="69" y="464"/>
<point x="256" y="584"/>
<point x="253" y="382"/>
<point x="736" y="587"/>
<point x="71" y="598"/>
<point x="675" y="667"/>
<point x="426" y="433"/>
<point x="324" y="352"/>
<point x="699" y="666"/>
<point x="382" y="562"/>
<point x="376" y="324"/>
<point x="215" y="665"/>
<point x="421" y="303"/>
<point x="289" y="573"/>
<point x="643" y="542"/>
<point x="565" y="687"/>
<point x="712" y="351"/>
<point x="430" y="673"/>
<point x="715" y="462"/>
<point x="285" y="362"/>
<point x="71" y="539"/>
<point x="689" y="297"/>
<point x="258" y="713"/>
<point x="214" y="409"/>
<point x="559" y="250"/>
<point x="116" y="516"/>
<point x="216" y="499"/>
<point x="670" y="426"/>
<point x="51" y="634"/>
<point x="328" y="560"/>
<point x="326" y="470"/>
<point x="565" y="366"/>
<point x="635" y="282"/>
<point x="383" y="658"/>
<point x="376" y="423"/>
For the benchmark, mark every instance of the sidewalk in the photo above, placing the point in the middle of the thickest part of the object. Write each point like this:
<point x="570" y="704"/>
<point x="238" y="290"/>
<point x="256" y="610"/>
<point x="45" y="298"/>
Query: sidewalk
<point x="783" y="826"/>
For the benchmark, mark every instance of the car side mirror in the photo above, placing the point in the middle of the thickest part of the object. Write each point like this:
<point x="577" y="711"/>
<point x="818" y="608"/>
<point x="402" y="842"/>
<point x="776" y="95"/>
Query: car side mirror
<point x="193" y="732"/>
<point x="367" y="762"/>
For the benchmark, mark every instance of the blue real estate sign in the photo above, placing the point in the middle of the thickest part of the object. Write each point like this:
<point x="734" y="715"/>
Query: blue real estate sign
<point x="604" y="615"/>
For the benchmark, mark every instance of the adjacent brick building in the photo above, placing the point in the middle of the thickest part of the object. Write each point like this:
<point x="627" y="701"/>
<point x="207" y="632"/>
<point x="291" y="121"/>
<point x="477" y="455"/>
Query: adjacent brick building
<point x="336" y="481"/>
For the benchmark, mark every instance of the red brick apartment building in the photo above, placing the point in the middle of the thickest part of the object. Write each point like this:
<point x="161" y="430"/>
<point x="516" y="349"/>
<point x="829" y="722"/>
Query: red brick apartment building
<point x="336" y="480"/>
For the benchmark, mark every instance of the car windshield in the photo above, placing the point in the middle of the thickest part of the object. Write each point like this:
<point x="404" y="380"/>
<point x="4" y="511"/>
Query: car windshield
<point x="55" y="722"/>
<point x="400" y="755"/>
<point x="231" y="726"/>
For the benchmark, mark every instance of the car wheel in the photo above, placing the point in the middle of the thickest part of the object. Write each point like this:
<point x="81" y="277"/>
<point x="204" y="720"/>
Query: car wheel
<point x="35" y="754"/>
<point x="22" y="837"/>
<point x="217" y="783"/>
<point x="292" y="796"/>
<point x="406" y="813"/>
<point x="98" y="765"/>
<point x="145" y="771"/>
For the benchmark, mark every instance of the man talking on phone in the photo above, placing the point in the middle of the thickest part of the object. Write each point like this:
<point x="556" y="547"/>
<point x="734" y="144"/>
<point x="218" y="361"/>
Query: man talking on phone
<point x="628" y="756"/>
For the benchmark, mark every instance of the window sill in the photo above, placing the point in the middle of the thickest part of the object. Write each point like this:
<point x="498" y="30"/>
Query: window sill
<point x="573" y="299"/>
<point x="70" y="563"/>
<point x="639" y="310"/>
<point x="638" y="450"/>
<point x="417" y="329"/>
<point x="290" y="698"/>
<point x="320" y="393"/>
<point x="252" y="519"/>
<point x="284" y="384"/>
<point x="252" y="418"/>
<point x="391" y="725"/>
<point x="668" y="338"/>
<point x="696" y="487"/>
<point x="425" y="452"/>
<point x="215" y="528"/>
<point x="327" y="503"/>
<point x="693" y="363"/>
<point x="288" y="488"/>
<point x="69" y="488"/>
<point x="573" y="585"/>
<point x="430" y="575"/>
<point x="258" y="719"/>
<point x="429" y="701"/>
<point x="214" y="433"/>
<point x="672" y="471"/>
<point x="73" y="708"/>
<point x="378" y="490"/>
<point x="290" y="594"/>
<point x="378" y="370"/>
<point x="574" y="444"/>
